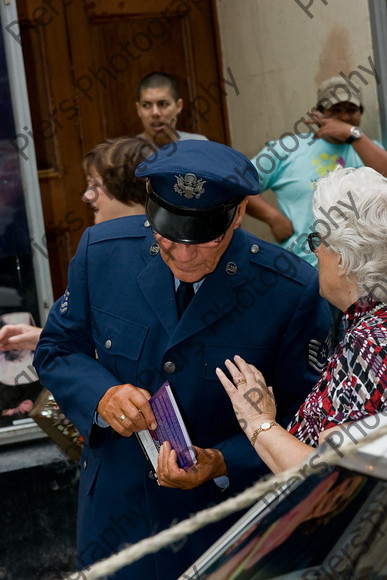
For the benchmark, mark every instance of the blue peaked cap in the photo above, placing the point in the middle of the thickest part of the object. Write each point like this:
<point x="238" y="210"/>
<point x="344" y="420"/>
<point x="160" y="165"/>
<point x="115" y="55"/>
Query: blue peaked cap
<point x="195" y="188"/>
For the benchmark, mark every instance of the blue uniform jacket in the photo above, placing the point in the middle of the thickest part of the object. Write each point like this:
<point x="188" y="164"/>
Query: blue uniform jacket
<point x="261" y="302"/>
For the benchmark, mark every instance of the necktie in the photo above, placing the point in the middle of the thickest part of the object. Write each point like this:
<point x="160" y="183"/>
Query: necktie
<point x="184" y="294"/>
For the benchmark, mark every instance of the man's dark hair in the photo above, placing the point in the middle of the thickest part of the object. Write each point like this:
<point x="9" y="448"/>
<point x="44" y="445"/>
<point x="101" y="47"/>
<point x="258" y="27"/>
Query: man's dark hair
<point x="321" y="109"/>
<point x="155" y="80"/>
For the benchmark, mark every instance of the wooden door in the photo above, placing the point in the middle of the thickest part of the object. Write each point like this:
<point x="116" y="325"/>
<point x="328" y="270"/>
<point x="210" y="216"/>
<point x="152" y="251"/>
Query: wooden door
<point x="83" y="62"/>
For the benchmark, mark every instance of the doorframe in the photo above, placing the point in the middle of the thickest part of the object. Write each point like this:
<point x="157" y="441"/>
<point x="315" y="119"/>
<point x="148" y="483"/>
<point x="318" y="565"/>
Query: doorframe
<point x="378" y="20"/>
<point x="28" y="167"/>
<point x="221" y="69"/>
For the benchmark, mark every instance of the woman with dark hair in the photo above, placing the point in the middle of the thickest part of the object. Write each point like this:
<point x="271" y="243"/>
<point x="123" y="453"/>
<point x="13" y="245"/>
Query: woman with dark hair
<point x="113" y="191"/>
<point x="113" y="188"/>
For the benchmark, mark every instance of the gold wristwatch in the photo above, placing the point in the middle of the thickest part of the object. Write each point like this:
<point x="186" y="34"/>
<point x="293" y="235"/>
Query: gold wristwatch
<point x="263" y="427"/>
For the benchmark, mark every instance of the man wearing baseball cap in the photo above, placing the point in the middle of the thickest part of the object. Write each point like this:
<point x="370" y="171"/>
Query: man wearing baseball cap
<point x="171" y="304"/>
<point x="291" y="165"/>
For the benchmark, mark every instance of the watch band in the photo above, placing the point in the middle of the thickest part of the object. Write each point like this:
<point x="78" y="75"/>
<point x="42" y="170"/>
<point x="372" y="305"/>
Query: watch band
<point x="263" y="427"/>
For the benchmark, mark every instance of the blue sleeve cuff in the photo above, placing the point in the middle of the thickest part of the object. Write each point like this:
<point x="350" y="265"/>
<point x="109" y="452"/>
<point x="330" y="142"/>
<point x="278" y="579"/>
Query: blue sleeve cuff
<point x="99" y="421"/>
<point x="223" y="482"/>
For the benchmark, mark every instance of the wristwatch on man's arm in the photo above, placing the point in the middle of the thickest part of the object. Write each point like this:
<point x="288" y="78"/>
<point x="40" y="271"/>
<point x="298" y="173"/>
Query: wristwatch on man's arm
<point x="356" y="133"/>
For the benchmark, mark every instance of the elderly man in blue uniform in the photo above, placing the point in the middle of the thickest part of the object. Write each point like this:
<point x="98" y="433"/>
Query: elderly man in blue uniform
<point x="247" y="297"/>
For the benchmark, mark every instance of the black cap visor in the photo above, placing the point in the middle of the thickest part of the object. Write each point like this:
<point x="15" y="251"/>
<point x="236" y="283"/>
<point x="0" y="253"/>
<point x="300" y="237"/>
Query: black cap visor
<point x="189" y="226"/>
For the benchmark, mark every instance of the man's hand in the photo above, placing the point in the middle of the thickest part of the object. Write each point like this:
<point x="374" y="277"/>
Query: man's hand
<point x="281" y="227"/>
<point x="210" y="464"/>
<point x="330" y="127"/>
<point x="127" y="410"/>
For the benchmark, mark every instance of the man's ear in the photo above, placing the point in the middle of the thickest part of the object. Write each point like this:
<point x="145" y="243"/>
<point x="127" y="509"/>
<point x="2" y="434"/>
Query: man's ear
<point x="179" y="103"/>
<point x="138" y="108"/>
<point x="240" y="212"/>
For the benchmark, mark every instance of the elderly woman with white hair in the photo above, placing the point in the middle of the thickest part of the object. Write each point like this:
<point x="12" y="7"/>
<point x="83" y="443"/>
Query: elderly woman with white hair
<point x="352" y="258"/>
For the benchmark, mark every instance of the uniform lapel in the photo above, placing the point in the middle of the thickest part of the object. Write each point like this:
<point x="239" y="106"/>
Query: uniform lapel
<point x="157" y="284"/>
<point x="216" y="297"/>
<point x="206" y="307"/>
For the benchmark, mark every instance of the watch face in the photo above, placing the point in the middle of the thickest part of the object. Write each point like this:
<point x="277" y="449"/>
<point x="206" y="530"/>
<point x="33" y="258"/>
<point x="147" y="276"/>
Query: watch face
<point x="356" y="132"/>
<point x="265" y="425"/>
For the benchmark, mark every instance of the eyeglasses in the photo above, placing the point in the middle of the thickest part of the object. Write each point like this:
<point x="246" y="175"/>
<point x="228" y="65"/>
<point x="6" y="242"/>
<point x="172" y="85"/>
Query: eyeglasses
<point x="314" y="241"/>
<point x="165" y="243"/>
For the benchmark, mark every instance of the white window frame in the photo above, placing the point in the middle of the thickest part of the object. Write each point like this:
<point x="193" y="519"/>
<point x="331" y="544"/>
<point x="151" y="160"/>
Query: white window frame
<point x="28" y="168"/>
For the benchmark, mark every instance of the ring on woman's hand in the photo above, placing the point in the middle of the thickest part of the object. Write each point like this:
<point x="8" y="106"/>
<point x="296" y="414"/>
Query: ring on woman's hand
<point x="240" y="382"/>
<point x="122" y="418"/>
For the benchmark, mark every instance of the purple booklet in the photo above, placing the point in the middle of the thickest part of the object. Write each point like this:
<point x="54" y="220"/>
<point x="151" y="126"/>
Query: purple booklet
<point x="170" y="427"/>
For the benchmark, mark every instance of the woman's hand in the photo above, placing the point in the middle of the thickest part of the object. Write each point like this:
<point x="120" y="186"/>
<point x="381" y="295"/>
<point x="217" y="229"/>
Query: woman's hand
<point x="19" y="337"/>
<point x="252" y="399"/>
<point x="254" y="404"/>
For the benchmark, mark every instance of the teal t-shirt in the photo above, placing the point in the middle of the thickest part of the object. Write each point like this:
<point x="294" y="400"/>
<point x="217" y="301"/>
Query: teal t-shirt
<point x="290" y="168"/>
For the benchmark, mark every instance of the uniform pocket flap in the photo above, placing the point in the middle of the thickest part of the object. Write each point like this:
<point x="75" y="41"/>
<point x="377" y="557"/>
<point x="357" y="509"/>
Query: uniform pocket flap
<point x="117" y="336"/>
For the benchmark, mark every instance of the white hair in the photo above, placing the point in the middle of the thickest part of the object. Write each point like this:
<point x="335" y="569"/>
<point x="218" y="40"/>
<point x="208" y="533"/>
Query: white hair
<point x="351" y="204"/>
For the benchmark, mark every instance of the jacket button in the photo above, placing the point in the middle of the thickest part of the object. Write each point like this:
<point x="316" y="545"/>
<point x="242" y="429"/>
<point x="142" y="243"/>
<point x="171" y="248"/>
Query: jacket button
<point x="85" y="464"/>
<point x="254" y="249"/>
<point x="169" y="367"/>
<point x="108" y="343"/>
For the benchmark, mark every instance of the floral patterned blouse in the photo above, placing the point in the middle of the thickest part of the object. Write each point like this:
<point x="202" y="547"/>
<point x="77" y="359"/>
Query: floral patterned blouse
<point x="354" y="382"/>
